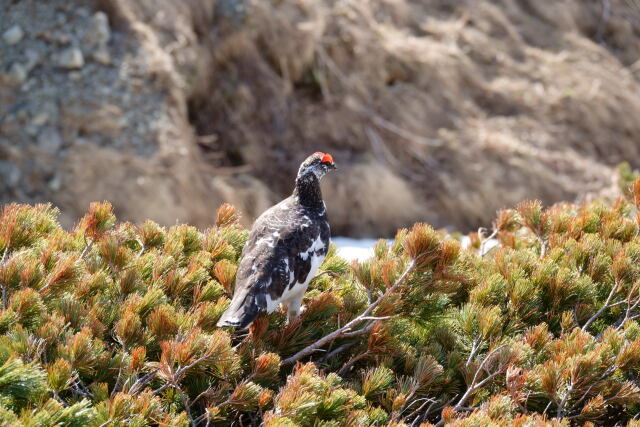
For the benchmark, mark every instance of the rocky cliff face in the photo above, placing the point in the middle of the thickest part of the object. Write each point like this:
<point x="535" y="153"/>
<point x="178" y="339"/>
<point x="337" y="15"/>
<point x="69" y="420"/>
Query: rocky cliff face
<point x="440" y="111"/>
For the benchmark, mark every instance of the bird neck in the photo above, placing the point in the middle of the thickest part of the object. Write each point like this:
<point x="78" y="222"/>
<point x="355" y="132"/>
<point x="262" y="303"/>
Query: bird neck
<point x="308" y="191"/>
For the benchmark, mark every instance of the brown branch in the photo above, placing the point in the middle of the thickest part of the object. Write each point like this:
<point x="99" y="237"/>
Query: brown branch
<point x="418" y="418"/>
<point x="142" y="382"/>
<point x="352" y="362"/>
<point x="177" y="375"/>
<point x="187" y="407"/>
<point x="606" y="373"/>
<point x="340" y="332"/>
<point x="340" y="349"/>
<point x="429" y="410"/>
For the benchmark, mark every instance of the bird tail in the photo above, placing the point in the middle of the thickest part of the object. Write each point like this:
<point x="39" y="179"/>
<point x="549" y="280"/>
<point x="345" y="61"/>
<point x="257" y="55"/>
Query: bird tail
<point x="241" y="312"/>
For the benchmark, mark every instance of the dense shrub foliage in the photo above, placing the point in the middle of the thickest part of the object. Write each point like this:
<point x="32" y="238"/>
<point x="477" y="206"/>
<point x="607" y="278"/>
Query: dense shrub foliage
<point x="114" y="324"/>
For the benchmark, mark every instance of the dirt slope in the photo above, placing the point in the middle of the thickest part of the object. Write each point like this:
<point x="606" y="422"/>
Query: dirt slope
<point x="434" y="110"/>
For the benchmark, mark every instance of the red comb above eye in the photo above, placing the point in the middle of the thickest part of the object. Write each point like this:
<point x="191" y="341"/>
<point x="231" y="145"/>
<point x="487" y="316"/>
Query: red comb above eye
<point x="327" y="158"/>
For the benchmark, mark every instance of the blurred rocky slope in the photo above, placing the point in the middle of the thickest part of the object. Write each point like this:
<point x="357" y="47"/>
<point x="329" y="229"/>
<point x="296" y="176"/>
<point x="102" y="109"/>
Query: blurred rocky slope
<point x="434" y="110"/>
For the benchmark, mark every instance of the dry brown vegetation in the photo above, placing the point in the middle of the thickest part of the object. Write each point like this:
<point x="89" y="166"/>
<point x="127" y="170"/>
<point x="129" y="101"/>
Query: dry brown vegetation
<point x="427" y="106"/>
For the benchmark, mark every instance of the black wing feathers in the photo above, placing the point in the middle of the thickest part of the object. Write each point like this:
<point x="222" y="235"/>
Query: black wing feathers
<point x="273" y="258"/>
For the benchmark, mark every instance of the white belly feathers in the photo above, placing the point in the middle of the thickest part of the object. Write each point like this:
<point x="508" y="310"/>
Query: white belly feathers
<point x="298" y="289"/>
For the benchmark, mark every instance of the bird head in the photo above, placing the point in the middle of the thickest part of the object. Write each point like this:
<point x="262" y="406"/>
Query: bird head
<point x="318" y="164"/>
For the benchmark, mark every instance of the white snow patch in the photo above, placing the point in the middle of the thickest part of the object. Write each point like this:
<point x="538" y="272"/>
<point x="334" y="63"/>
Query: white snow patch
<point x="351" y="249"/>
<point x="465" y="243"/>
<point x="362" y="249"/>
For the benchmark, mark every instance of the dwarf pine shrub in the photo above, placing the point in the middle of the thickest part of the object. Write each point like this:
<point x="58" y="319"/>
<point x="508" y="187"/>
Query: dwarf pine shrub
<point x="115" y="324"/>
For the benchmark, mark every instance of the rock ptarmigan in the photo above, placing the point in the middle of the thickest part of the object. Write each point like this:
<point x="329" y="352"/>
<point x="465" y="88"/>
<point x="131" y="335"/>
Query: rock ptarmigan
<point x="287" y="244"/>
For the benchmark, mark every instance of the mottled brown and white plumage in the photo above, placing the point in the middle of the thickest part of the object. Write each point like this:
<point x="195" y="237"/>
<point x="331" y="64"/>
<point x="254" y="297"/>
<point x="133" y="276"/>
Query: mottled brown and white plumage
<point x="287" y="244"/>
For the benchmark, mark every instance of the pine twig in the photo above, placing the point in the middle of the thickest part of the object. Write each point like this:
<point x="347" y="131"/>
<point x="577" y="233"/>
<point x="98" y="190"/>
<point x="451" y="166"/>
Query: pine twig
<point x="80" y="388"/>
<point x="187" y="407"/>
<point x="359" y="332"/>
<point x="430" y="410"/>
<point x="563" y="402"/>
<point x="606" y="305"/>
<point x="483" y="242"/>
<point x="605" y="374"/>
<point x="142" y="382"/>
<point x="340" y="349"/>
<point x="543" y="246"/>
<point x="630" y="308"/>
<point x="141" y="251"/>
<point x="416" y="413"/>
<point x="474" y="349"/>
<point x="178" y="374"/>
<point x="87" y="248"/>
<point x="349" y="325"/>
<point x="345" y="368"/>
<point x="474" y="386"/>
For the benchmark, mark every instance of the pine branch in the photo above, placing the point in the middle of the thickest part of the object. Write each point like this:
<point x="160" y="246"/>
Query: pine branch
<point x="606" y="305"/>
<point x="605" y="374"/>
<point x="141" y="383"/>
<point x="483" y="243"/>
<point x="187" y="407"/>
<point x="348" y="326"/>
<point x="87" y="248"/>
<point x="359" y="332"/>
<point x="474" y="349"/>
<point x="630" y="308"/>
<point x="345" y="368"/>
<point x="430" y="410"/>
<point x="474" y="386"/>
<point x="418" y="418"/>
<point x="338" y="350"/>
<point x="563" y="402"/>
<point x="178" y="374"/>
<point x="543" y="246"/>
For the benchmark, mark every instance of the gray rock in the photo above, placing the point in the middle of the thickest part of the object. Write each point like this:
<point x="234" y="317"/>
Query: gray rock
<point x="71" y="59"/>
<point x="33" y="59"/>
<point x="40" y="119"/>
<point x="100" y="30"/>
<point x="10" y="173"/>
<point x="102" y="56"/>
<point x="18" y="72"/>
<point x="233" y="11"/>
<point x="13" y="35"/>
<point x="31" y="129"/>
<point x="50" y="140"/>
<point x="55" y="183"/>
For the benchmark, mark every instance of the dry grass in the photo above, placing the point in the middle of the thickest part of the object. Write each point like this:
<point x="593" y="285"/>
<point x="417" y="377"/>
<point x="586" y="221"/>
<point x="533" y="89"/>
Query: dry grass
<point x="434" y="110"/>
